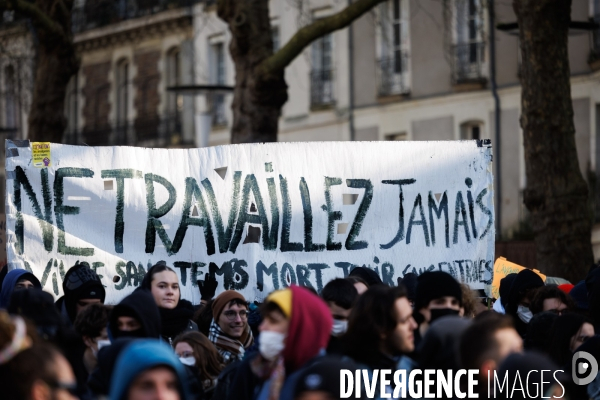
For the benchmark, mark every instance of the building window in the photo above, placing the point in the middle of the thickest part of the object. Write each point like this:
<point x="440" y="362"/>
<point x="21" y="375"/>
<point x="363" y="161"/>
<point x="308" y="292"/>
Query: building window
<point x="321" y="82"/>
<point x="174" y="100"/>
<point x="10" y="102"/>
<point x="394" y="47"/>
<point x="396" y="136"/>
<point x="218" y="77"/>
<point x="122" y="103"/>
<point x="595" y="16"/>
<point x="471" y="130"/>
<point x="469" y="47"/>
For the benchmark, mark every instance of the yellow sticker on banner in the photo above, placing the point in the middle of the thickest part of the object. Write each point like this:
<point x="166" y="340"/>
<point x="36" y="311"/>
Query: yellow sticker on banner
<point x="41" y="154"/>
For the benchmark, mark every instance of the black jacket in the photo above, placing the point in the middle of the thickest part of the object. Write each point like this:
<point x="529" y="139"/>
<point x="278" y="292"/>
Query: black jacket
<point x="177" y="321"/>
<point x="141" y="306"/>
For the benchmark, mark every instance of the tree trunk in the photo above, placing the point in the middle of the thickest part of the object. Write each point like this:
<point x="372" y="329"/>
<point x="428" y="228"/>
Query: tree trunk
<point x="258" y="96"/>
<point x="55" y="64"/>
<point x="556" y="193"/>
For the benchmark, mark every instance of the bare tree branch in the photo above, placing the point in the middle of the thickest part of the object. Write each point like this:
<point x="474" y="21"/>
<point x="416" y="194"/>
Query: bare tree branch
<point x="35" y="13"/>
<point x="317" y="29"/>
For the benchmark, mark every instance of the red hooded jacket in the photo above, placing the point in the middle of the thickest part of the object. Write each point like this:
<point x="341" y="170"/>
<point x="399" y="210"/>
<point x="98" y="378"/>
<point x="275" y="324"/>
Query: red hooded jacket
<point x="309" y="330"/>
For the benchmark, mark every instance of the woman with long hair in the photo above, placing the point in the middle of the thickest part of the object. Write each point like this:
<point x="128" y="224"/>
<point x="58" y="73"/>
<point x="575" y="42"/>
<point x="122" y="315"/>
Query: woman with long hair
<point x="175" y="313"/>
<point x="195" y="350"/>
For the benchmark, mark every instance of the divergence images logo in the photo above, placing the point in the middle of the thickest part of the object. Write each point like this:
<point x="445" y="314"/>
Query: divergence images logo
<point x="584" y="368"/>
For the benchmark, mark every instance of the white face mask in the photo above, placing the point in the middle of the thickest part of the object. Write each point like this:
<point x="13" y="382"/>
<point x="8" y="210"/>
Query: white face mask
<point x="100" y="343"/>
<point x="524" y="314"/>
<point x="189" y="361"/>
<point x="271" y="344"/>
<point x="339" y="327"/>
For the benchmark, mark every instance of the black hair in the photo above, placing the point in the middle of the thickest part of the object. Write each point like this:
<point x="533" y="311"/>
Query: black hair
<point x="18" y="376"/>
<point x="357" y="279"/>
<point x="157" y="268"/>
<point x="341" y="292"/>
<point x="269" y="307"/>
<point x="372" y="316"/>
<point x="564" y="328"/>
<point x="549" y="292"/>
<point x="477" y="342"/>
<point x="92" y="319"/>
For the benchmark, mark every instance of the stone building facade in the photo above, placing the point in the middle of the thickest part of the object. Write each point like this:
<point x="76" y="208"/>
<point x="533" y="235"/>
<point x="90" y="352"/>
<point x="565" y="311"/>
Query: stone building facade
<point x="408" y="70"/>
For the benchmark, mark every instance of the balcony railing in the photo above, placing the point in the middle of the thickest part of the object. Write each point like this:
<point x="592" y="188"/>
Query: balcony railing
<point x="321" y="88"/>
<point x="595" y="51"/>
<point x="217" y="110"/>
<point x="98" y="13"/>
<point x="151" y="131"/>
<point x="469" y="62"/>
<point x="393" y="75"/>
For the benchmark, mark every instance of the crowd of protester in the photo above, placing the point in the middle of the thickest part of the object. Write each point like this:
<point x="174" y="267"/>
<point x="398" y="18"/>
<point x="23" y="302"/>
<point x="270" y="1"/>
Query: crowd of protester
<point x="154" y="344"/>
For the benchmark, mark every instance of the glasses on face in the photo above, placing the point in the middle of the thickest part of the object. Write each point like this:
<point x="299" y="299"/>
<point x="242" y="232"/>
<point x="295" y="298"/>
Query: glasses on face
<point x="231" y="315"/>
<point x="69" y="387"/>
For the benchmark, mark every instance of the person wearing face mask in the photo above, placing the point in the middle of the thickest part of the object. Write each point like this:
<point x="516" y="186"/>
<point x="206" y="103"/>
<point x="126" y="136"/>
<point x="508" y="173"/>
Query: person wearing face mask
<point x="15" y="280"/>
<point x="521" y="294"/>
<point x="81" y="287"/>
<point x="340" y="295"/>
<point x="229" y="330"/>
<point x="294" y="331"/>
<point x="438" y="294"/>
<point x="91" y="324"/>
<point x="175" y="313"/>
<point x="135" y="316"/>
<point x="199" y="355"/>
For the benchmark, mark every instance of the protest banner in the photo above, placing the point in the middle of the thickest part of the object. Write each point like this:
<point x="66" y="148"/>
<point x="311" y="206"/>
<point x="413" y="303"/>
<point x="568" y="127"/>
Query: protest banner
<point x="257" y="217"/>
<point x="503" y="267"/>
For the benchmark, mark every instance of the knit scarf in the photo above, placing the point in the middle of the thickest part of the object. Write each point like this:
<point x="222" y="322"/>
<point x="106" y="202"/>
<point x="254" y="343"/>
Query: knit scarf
<point x="229" y="348"/>
<point x="174" y="321"/>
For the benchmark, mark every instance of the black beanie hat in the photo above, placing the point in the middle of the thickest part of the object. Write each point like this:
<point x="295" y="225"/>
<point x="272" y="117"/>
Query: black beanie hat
<point x="435" y="284"/>
<point x="81" y="282"/>
<point x="366" y="274"/>
<point x="410" y="283"/>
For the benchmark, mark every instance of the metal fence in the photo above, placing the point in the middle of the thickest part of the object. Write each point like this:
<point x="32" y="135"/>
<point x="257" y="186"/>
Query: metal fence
<point x="392" y="75"/>
<point x="469" y="60"/>
<point x="321" y="88"/>
<point x="217" y="109"/>
<point x="595" y="51"/>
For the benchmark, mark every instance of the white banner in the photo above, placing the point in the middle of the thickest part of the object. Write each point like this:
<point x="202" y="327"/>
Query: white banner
<point x="257" y="217"/>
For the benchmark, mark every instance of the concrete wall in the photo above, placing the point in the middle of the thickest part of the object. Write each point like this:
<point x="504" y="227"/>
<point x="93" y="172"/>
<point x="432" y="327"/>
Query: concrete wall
<point x="507" y="47"/>
<point x="581" y="118"/>
<point x="509" y="153"/>
<point x="441" y="128"/>
<point x="430" y="67"/>
<point x="365" y="61"/>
